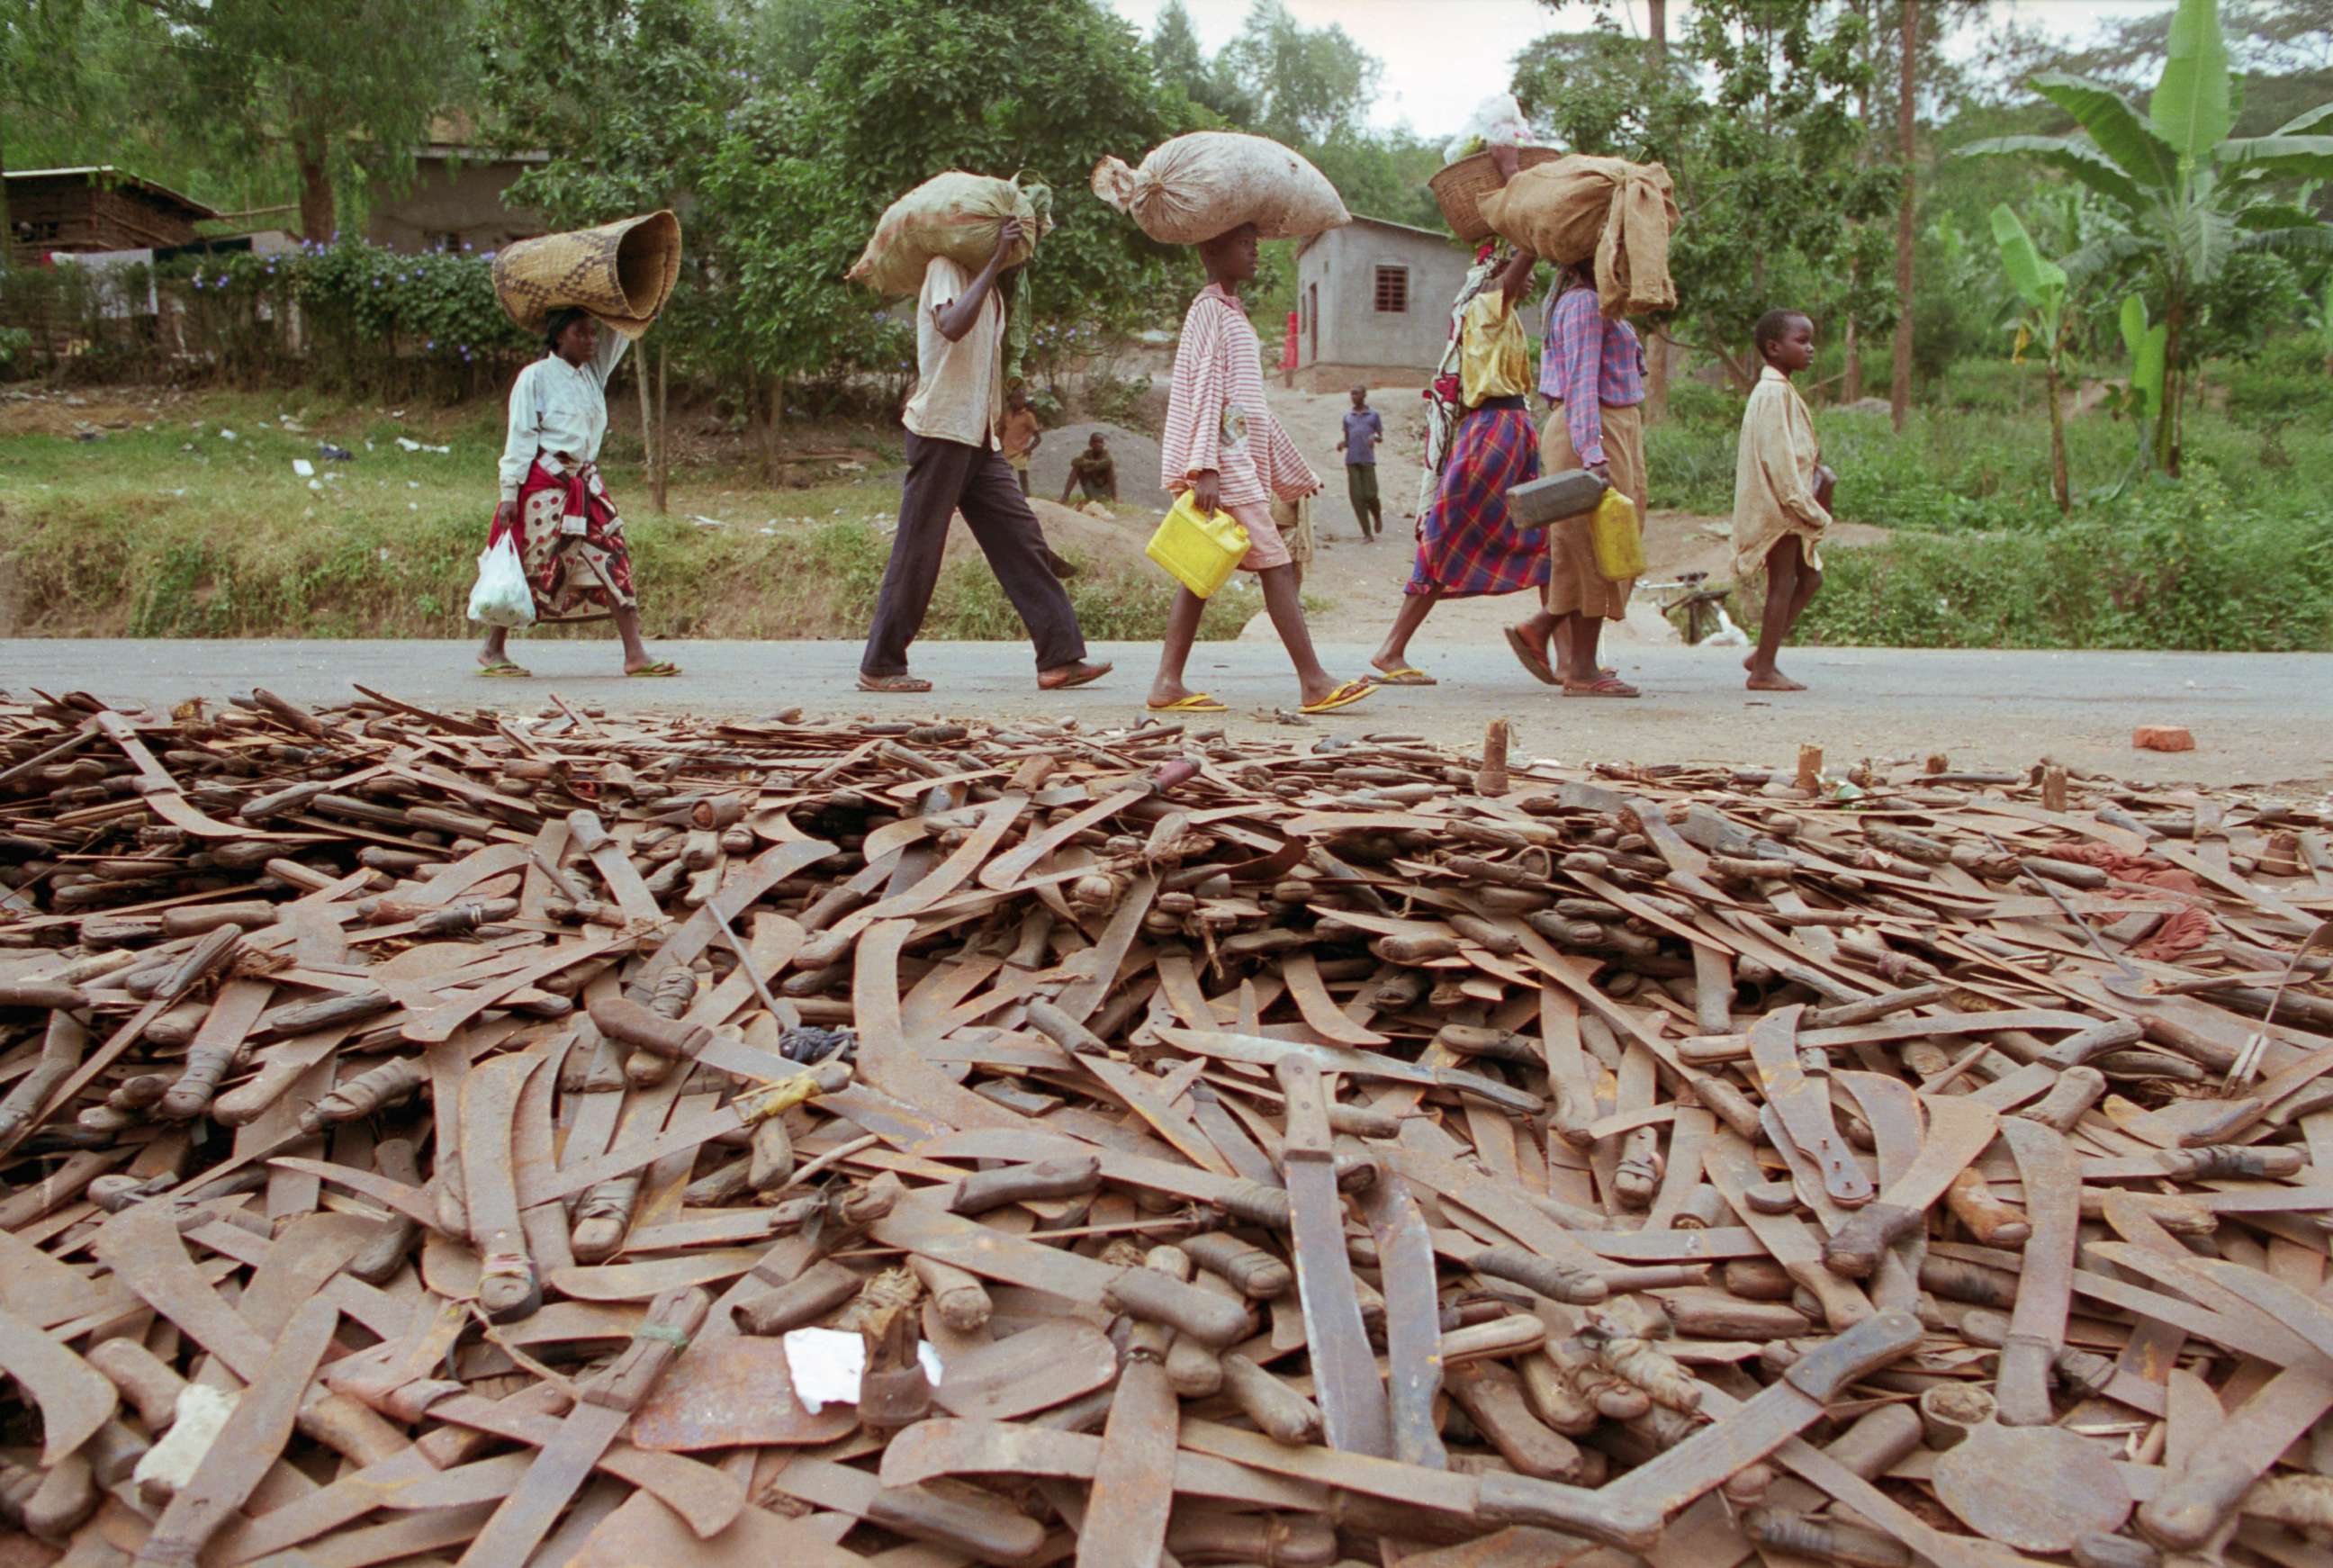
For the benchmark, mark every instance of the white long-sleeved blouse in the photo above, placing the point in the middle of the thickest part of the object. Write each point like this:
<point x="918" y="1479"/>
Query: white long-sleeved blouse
<point x="556" y="406"/>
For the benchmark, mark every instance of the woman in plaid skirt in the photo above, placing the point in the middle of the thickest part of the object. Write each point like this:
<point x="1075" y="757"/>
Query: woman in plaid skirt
<point x="1465" y="546"/>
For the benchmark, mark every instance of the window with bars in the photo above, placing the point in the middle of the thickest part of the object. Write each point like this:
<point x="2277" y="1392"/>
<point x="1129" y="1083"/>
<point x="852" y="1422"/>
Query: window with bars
<point x="1392" y="291"/>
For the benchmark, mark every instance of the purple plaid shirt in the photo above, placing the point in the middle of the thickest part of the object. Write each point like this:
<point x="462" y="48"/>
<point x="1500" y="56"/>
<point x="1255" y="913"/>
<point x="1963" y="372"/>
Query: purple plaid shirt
<point x="1587" y="362"/>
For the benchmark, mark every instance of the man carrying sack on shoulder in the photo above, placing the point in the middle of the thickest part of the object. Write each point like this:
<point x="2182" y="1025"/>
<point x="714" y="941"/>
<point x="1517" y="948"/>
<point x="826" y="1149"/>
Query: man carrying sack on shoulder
<point x="955" y="462"/>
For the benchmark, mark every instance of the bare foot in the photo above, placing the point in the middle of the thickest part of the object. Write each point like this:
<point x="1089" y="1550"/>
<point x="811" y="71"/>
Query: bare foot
<point x="1772" y="680"/>
<point x="1167" y="693"/>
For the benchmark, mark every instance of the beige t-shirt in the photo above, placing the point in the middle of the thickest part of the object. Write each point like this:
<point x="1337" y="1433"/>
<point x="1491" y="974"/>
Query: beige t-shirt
<point x="960" y="387"/>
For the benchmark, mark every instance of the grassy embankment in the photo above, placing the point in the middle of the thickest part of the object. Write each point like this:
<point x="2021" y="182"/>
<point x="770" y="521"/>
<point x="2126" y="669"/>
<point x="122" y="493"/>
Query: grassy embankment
<point x="166" y="528"/>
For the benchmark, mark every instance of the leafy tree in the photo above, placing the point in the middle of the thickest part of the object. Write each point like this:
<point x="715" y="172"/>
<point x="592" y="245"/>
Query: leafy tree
<point x="2191" y="197"/>
<point x="348" y="87"/>
<point x="1766" y="159"/>
<point x="1309" y="85"/>
<point x="1183" y="63"/>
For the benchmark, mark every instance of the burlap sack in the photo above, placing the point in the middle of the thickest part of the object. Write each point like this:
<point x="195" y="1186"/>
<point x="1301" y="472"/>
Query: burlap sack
<point x="1194" y="187"/>
<point x="1617" y="212"/>
<point x="622" y="273"/>
<point x="955" y="214"/>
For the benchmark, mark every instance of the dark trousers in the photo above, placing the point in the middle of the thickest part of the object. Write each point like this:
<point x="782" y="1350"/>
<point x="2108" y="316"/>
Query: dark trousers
<point x="1361" y="489"/>
<point x="943" y="479"/>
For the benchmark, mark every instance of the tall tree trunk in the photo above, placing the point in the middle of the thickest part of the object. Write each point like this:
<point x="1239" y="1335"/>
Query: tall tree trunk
<point x="1656" y="345"/>
<point x="1899" y="390"/>
<point x="2061" y="483"/>
<point x="1851" y="338"/>
<point x="7" y="230"/>
<point x="308" y="150"/>
<point x="647" y="419"/>
<point x="663" y="481"/>
<point x="2174" y="387"/>
<point x="773" y="408"/>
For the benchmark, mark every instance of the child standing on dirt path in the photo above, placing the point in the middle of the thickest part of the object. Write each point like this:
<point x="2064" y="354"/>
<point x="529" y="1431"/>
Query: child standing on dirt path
<point x="1781" y="493"/>
<point x="1364" y="429"/>
<point x="953" y="421"/>
<point x="1022" y="433"/>
<point x="1225" y="447"/>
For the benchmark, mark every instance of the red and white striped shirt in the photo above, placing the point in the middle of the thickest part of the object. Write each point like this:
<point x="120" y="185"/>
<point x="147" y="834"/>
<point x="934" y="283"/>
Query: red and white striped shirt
<point x="1216" y="416"/>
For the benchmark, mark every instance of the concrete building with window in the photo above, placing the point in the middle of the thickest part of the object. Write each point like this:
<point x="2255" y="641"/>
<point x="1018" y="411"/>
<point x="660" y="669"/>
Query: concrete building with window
<point x="458" y="196"/>
<point x="1373" y="302"/>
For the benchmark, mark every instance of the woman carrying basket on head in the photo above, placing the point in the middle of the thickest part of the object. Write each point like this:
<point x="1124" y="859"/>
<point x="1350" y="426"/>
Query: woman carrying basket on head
<point x="1466" y="543"/>
<point x="554" y="505"/>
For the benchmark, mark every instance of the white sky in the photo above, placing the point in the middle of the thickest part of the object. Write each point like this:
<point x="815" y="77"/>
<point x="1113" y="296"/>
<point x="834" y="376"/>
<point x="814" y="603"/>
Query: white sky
<point x="1443" y="57"/>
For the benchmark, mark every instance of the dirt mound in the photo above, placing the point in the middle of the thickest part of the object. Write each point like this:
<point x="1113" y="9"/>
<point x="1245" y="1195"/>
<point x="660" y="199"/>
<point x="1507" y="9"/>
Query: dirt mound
<point x="1136" y="455"/>
<point x="1108" y="544"/>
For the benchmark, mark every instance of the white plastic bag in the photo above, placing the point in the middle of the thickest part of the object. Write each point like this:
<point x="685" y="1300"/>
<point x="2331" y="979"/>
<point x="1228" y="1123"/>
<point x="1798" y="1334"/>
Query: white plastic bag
<point x="1498" y="121"/>
<point x="502" y="597"/>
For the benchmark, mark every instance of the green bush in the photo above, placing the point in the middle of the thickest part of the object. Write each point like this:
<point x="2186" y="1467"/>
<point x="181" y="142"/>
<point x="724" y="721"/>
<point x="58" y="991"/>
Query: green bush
<point x="2171" y="565"/>
<point x="373" y="320"/>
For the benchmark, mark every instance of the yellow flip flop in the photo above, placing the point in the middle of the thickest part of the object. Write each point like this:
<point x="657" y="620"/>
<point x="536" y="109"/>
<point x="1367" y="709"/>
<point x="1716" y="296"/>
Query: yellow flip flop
<point x="1345" y="696"/>
<point x="1198" y="702"/>
<point x="1404" y="676"/>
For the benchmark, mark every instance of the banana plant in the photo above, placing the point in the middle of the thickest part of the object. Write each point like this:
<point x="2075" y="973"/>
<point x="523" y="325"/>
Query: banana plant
<point x="2190" y="193"/>
<point x="2041" y="285"/>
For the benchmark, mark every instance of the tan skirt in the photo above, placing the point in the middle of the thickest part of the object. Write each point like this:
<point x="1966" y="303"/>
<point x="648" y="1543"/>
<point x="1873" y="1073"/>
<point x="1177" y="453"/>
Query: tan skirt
<point x="1574" y="585"/>
<point x="1294" y="520"/>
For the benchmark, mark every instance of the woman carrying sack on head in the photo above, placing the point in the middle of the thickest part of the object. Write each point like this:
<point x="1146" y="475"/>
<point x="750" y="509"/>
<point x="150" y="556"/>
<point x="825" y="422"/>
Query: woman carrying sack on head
<point x="1592" y="374"/>
<point x="554" y="505"/>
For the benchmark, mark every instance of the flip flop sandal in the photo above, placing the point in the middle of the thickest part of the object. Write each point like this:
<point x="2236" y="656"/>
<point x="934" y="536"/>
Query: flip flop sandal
<point x="1345" y="696"/>
<point x="1608" y="686"/>
<point x="662" y="669"/>
<point x="1530" y="657"/>
<point x="1198" y="702"/>
<point x="505" y="671"/>
<point x="898" y="684"/>
<point x="1404" y="676"/>
<point x="1084" y="676"/>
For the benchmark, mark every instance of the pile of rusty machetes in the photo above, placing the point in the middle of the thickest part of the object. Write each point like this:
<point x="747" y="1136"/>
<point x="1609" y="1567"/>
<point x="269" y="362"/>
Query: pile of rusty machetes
<point x="437" y="1139"/>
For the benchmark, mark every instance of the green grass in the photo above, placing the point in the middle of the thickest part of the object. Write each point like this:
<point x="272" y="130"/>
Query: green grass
<point x="2172" y="566"/>
<point x="2238" y="556"/>
<point x="137" y="535"/>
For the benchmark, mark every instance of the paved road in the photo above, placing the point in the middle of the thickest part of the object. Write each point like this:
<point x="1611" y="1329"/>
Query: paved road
<point x="2258" y="718"/>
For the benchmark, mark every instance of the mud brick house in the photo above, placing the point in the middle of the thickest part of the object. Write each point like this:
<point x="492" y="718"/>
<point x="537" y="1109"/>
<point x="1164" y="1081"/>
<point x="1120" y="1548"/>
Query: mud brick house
<point x="98" y="208"/>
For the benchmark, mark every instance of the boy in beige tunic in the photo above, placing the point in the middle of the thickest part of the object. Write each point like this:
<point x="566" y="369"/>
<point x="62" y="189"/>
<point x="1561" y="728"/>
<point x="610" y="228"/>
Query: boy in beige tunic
<point x="1781" y="493"/>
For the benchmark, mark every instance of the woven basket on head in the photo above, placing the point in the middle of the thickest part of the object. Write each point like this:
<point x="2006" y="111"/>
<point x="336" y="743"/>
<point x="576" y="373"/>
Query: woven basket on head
<point x="1461" y="184"/>
<point x="621" y="273"/>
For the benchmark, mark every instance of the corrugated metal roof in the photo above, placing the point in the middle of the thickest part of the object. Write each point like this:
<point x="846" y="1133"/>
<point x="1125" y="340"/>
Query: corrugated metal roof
<point x="1431" y="234"/>
<point x="122" y="175"/>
